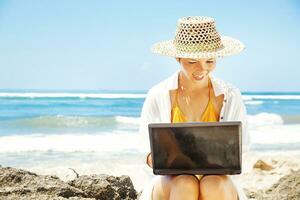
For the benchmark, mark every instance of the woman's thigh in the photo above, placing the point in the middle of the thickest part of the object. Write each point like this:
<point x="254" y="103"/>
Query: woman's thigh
<point x="217" y="187"/>
<point x="163" y="186"/>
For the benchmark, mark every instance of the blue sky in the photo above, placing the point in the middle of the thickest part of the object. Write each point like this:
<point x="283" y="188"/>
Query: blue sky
<point x="93" y="45"/>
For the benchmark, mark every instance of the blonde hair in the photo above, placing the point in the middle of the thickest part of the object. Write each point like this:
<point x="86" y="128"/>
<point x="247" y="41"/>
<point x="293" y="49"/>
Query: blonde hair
<point x="178" y="59"/>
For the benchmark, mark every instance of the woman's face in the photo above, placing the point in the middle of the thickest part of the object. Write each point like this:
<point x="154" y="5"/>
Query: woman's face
<point x="196" y="70"/>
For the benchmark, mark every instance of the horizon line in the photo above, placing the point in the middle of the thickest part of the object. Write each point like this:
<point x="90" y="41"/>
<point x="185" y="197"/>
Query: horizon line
<point x="114" y="90"/>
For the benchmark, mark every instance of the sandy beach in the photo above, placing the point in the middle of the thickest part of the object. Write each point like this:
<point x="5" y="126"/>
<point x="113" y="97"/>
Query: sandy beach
<point x="261" y="172"/>
<point x="282" y="163"/>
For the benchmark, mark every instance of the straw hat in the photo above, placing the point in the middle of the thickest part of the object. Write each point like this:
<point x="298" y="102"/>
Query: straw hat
<point x="196" y="37"/>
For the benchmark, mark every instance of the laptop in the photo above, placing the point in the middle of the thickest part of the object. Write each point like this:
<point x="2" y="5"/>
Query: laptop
<point x="196" y="147"/>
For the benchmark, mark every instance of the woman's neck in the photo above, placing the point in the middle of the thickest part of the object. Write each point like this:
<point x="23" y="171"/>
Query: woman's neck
<point x="192" y="85"/>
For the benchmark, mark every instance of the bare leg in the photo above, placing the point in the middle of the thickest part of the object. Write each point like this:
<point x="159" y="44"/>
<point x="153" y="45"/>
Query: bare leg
<point x="176" y="188"/>
<point x="185" y="187"/>
<point x="214" y="187"/>
<point x="161" y="189"/>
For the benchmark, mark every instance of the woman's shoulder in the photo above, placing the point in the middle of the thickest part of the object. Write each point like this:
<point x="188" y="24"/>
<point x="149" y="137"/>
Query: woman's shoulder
<point x="155" y="92"/>
<point x="163" y="86"/>
<point x="226" y="86"/>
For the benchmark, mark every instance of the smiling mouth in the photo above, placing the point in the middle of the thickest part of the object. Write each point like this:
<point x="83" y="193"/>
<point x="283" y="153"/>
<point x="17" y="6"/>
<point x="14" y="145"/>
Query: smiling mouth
<point x="198" y="76"/>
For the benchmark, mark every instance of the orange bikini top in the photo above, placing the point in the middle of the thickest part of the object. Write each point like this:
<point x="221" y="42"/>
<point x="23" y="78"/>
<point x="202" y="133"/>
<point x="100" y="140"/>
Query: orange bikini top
<point x="209" y="114"/>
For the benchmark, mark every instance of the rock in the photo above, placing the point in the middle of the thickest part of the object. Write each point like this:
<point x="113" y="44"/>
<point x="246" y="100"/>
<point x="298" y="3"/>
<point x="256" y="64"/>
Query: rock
<point x="23" y="185"/>
<point x="139" y="194"/>
<point x="251" y="194"/>
<point x="42" y="197"/>
<point x="274" y="162"/>
<point x="287" y="188"/>
<point x="105" y="187"/>
<point x="17" y="182"/>
<point x="260" y="164"/>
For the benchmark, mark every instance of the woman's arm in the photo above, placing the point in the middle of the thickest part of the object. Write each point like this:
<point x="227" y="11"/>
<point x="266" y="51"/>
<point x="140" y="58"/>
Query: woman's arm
<point x="149" y="114"/>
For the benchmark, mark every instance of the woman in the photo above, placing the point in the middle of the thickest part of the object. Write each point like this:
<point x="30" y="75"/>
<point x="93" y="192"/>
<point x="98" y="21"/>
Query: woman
<point x="193" y="94"/>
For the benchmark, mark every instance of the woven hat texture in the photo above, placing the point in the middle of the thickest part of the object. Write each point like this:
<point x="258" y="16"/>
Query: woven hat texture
<point x="197" y="37"/>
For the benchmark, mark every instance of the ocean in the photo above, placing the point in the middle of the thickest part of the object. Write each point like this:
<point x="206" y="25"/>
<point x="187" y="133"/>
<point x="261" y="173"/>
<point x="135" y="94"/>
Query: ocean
<point x="96" y="132"/>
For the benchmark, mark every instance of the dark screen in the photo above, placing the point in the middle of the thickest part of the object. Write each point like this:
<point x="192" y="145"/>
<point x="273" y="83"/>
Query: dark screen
<point x="196" y="147"/>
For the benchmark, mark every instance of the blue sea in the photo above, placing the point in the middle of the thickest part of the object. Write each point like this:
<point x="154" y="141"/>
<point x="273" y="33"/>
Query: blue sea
<point x="96" y="131"/>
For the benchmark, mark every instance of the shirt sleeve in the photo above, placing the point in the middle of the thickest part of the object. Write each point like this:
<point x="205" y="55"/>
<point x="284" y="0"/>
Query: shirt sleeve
<point x="149" y="114"/>
<point x="240" y="114"/>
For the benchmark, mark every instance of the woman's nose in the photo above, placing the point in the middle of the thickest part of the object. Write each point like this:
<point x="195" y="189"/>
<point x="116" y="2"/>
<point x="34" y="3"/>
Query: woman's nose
<point x="200" y="66"/>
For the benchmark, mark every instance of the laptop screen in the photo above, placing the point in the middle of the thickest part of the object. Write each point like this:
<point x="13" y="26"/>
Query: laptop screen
<point x="205" y="148"/>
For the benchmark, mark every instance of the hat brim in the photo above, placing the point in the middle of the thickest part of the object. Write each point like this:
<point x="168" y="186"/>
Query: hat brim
<point x="231" y="46"/>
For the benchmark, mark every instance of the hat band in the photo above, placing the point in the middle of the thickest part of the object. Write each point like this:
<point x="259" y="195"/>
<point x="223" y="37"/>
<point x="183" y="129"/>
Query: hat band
<point x="198" y="47"/>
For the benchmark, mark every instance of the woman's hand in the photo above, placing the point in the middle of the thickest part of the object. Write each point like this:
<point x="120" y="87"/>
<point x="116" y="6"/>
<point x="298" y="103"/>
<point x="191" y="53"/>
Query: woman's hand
<point x="149" y="160"/>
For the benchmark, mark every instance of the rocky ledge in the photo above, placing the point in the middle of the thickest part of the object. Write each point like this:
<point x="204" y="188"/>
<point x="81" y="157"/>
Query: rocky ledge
<point x="287" y="188"/>
<point x="20" y="184"/>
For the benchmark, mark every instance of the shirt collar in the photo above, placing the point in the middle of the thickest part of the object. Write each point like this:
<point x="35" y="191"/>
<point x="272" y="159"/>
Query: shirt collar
<point x="218" y="87"/>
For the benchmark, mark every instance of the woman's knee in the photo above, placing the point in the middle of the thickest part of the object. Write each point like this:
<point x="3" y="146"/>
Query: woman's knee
<point x="162" y="187"/>
<point x="187" y="182"/>
<point x="212" y="186"/>
<point x="211" y="182"/>
<point x="179" y="183"/>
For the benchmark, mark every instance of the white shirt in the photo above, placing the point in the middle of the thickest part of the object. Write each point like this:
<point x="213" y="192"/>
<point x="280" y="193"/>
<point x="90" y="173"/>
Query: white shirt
<point x="157" y="107"/>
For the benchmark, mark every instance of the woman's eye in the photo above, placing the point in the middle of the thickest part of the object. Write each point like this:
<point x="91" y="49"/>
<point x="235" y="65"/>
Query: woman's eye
<point x="192" y="62"/>
<point x="210" y="61"/>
